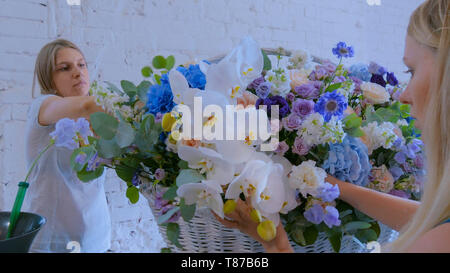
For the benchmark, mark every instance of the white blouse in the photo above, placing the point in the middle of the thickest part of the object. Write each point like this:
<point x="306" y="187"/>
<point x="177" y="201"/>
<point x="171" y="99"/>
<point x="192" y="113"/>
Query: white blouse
<point x="75" y="210"/>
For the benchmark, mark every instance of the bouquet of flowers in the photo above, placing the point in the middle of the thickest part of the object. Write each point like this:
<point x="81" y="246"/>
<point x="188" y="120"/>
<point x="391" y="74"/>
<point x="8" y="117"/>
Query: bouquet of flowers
<point x="169" y="133"/>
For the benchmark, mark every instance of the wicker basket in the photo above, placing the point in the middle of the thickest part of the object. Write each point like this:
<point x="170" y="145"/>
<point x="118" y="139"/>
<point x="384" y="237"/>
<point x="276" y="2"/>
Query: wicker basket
<point x="205" y="234"/>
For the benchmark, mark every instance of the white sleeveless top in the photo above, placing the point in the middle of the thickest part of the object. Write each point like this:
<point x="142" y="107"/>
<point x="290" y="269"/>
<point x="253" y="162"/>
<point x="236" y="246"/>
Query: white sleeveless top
<point x="75" y="210"/>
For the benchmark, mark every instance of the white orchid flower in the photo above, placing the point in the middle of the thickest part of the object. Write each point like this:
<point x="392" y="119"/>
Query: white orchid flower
<point x="209" y="162"/>
<point x="263" y="183"/>
<point x="290" y="201"/>
<point x="236" y="70"/>
<point x="204" y="194"/>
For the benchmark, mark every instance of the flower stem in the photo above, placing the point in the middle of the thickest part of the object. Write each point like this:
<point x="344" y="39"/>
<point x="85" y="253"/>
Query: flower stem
<point x="52" y="142"/>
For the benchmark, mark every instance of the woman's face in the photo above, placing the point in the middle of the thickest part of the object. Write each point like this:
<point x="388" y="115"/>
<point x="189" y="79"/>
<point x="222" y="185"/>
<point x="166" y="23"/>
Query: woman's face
<point x="71" y="77"/>
<point x="420" y="61"/>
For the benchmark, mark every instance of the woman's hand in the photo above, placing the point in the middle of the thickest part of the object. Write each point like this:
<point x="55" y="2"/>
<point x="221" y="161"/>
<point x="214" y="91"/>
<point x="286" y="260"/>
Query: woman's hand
<point x="240" y="219"/>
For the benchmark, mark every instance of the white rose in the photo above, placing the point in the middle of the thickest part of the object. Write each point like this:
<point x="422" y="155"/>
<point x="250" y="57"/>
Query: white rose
<point x="375" y="93"/>
<point x="307" y="177"/>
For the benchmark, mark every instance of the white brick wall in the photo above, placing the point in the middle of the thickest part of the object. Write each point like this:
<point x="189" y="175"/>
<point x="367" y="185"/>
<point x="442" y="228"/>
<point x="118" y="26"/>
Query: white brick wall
<point x="119" y="37"/>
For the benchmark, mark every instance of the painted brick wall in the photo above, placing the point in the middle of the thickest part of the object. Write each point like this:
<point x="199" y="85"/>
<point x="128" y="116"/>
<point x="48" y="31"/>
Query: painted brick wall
<point x="119" y="37"/>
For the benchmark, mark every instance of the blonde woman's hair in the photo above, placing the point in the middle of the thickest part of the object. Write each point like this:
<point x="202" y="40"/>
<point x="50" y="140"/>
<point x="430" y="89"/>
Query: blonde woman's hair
<point x="45" y="65"/>
<point x="429" y="26"/>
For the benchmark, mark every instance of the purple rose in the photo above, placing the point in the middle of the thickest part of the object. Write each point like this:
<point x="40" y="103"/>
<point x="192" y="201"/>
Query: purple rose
<point x="254" y="84"/>
<point x="303" y="107"/>
<point x="290" y="97"/>
<point x="282" y="148"/>
<point x="308" y="90"/>
<point x="160" y="174"/>
<point x="263" y="90"/>
<point x="319" y="74"/>
<point x="292" y="122"/>
<point x="300" y="147"/>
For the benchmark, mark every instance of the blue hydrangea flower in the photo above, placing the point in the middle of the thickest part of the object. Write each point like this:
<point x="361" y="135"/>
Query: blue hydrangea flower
<point x="194" y="76"/>
<point x="315" y="214"/>
<point x="331" y="104"/>
<point x="160" y="98"/>
<point x="360" y="71"/>
<point x="331" y="217"/>
<point x="342" y="50"/>
<point x="349" y="161"/>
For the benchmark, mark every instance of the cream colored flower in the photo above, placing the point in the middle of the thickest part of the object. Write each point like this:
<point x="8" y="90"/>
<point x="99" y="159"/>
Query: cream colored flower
<point x="298" y="77"/>
<point x="307" y="178"/>
<point x="382" y="179"/>
<point x="375" y="93"/>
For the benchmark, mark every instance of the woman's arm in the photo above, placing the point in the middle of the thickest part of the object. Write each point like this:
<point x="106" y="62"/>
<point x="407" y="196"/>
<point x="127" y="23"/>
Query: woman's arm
<point x="391" y="210"/>
<point x="433" y="241"/>
<point x="55" y="108"/>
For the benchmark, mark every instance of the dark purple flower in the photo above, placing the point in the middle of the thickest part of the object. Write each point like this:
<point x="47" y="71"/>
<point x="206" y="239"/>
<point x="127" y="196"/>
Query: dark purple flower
<point x="136" y="181"/>
<point x="292" y="122"/>
<point x="263" y="89"/>
<point x="303" y="107"/>
<point x="342" y="50"/>
<point x="309" y="90"/>
<point x="391" y="79"/>
<point x="255" y="83"/>
<point x="282" y="104"/>
<point x="378" y="79"/>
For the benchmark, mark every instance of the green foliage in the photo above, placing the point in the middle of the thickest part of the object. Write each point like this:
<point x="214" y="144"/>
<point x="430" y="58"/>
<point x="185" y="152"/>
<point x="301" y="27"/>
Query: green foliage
<point x="133" y="194"/>
<point x="159" y="62"/>
<point x="267" y="62"/>
<point x="173" y="232"/>
<point x="146" y="71"/>
<point x="104" y="125"/>
<point x="129" y="88"/>
<point x="86" y="176"/>
<point x="187" y="176"/>
<point x="166" y="216"/>
<point x="187" y="211"/>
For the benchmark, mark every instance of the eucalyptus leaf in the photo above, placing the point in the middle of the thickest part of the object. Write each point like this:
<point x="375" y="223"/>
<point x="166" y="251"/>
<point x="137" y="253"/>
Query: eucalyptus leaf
<point x="147" y="71"/>
<point x="187" y="176"/>
<point x="112" y="87"/>
<point x="108" y="148"/>
<point x="166" y="216"/>
<point x="335" y="240"/>
<point x="170" y="62"/>
<point x="187" y="211"/>
<point x="171" y="193"/>
<point x="143" y="90"/>
<point x="159" y="62"/>
<point x="267" y="62"/>
<point x="104" y="125"/>
<point x="125" y="135"/>
<point x="355" y="225"/>
<point x="88" y="151"/>
<point x="366" y="235"/>
<point x="173" y="232"/>
<point x="86" y="176"/>
<point x="129" y="88"/>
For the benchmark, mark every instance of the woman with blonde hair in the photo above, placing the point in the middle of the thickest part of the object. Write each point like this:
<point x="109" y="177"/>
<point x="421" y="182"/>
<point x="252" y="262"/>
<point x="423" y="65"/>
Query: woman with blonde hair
<point x="77" y="213"/>
<point x="424" y="226"/>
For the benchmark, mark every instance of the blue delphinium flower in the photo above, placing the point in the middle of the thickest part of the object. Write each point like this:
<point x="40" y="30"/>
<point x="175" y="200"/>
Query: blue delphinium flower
<point x="65" y="133"/>
<point x="328" y="192"/>
<point x="342" y="50"/>
<point x="360" y="71"/>
<point x="160" y="98"/>
<point x="194" y="76"/>
<point x="331" y="217"/>
<point x="315" y="214"/>
<point x="331" y="104"/>
<point x="349" y="161"/>
<point x="391" y="79"/>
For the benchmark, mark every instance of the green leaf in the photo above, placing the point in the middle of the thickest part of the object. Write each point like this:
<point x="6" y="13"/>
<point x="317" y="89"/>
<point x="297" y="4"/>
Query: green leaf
<point x="159" y="62"/>
<point x="356" y="225"/>
<point x="311" y="233"/>
<point x="183" y="164"/>
<point x="333" y="87"/>
<point x="108" y="148"/>
<point x="188" y="176"/>
<point x="335" y="240"/>
<point x="173" y="232"/>
<point x="143" y="90"/>
<point x="112" y="87"/>
<point x="124" y="173"/>
<point x="125" y="135"/>
<point x="166" y="216"/>
<point x="267" y="63"/>
<point x="104" y="125"/>
<point x="170" y="62"/>
<point x="345" y="213"/>
<point x="89" y="151"/>
<point x="86" y="176"/>
<point x="388" y="114"/>
<point x="298" y="236"/>
<point x="352" y="121"/>
<point x="157" y="78"/>
<point x="355" y="132"/>
<point x="171" y="193"/>
<point x="129" y="88"/>
<point x="133" y="194"/>
<point x="187" y="211"/>
<point x="366" y="235"/>
<point x="146" y="71"/>
<point x="166" y="250"/>
<point x="376" y="227"/>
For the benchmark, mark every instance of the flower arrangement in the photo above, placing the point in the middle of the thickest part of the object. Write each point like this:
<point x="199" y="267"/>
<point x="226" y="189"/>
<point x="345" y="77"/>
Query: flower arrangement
<point x="323" y="119"/>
